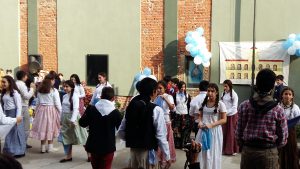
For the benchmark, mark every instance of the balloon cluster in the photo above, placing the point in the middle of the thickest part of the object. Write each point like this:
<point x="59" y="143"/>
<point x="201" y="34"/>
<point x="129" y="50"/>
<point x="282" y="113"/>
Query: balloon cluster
<point x="196" y="45"/>
<point x="146" y="73"/>
<point x="292" y="45"/>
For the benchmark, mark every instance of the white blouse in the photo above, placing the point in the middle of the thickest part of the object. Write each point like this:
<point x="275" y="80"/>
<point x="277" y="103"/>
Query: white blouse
<point x="14" y="102"/>
<point x="165" y="106"/>
<point x="98" y="91"/>
<point x="291" y="113"/>
<point x="231" y="104"/>
<point x="195" y="105"/>
<point x="49" y="99"/>
<point x="181" y="103"/>
<point x="25" y="94"/>
<point x="79" y="90"/>
<point x="66" y="106"/>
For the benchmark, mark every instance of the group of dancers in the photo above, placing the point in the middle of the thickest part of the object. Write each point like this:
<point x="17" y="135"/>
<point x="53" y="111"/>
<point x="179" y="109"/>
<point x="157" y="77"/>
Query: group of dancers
<point x="211" y="115"/>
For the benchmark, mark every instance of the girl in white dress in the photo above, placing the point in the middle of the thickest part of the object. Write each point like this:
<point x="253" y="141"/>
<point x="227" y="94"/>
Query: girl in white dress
<point x="79" y="90"/>
<point x="212" y="116"/>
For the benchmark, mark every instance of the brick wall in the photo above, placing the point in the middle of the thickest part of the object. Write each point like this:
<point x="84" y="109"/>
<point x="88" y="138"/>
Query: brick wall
<point x="47" y="33"/>
<point x="191" y="15"/>
<point x="152" y="31"/>
<point x="23" y="34"/>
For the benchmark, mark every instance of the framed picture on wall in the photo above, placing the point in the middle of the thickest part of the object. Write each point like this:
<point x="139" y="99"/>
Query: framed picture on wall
<point x="193" y="72"/>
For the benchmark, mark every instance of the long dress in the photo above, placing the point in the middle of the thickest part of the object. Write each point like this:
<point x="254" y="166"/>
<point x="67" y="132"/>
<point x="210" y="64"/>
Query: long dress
<point x="15" y="139"/>
<point x="46" y="123"/>
<point x="170" y="138"/>
<point x="230" y="145"/>
<point x="288" y="155"/>
<point x="212" y="158"/>
<point x="72" y="134"/>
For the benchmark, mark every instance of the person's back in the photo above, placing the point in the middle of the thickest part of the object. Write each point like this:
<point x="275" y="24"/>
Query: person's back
<point x="140" y="132"/>
<point x="262" y="126"/>
<point x="143" y="127"/>
<point x="101" y="139"/>
<point x="102" y="120"/>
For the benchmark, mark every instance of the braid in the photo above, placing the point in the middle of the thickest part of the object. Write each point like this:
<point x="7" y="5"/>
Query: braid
<point x="223" y="95"/>
<point x="231" y="94"/>
<point x="71" y="99"/>
<point x="185" y="96"/>
<point x="216" y="103"/>
<point x="203" y="103"/>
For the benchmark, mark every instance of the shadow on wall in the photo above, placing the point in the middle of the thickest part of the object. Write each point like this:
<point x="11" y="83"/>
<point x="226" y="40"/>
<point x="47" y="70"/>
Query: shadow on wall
<point x="170" y="59"/>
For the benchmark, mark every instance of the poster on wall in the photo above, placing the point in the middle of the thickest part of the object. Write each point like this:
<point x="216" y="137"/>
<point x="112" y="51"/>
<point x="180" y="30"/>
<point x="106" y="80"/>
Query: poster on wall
<point x="236" y="60"/>
<point x="194" y="73"/>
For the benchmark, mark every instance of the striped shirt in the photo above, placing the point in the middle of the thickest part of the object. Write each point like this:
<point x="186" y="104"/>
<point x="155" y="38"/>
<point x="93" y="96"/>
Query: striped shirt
<point x="262" y="128"/>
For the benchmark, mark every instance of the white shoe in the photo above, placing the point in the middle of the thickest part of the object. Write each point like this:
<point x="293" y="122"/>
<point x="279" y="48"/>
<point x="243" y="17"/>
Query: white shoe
<point x="52" y="150"/>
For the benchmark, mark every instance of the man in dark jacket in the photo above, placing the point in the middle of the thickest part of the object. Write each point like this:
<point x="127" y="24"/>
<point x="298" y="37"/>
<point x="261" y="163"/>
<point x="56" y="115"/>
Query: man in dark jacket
<point x="143" y="126"/>
<point x="102" y="119"/>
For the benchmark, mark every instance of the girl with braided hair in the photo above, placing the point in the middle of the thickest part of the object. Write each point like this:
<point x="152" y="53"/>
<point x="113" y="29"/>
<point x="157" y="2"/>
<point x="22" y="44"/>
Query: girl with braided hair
<point x="288" y="156"/>
<point x="72" y="133"/>
<point x="230" y="99"/>
<point x="212" y="115"/>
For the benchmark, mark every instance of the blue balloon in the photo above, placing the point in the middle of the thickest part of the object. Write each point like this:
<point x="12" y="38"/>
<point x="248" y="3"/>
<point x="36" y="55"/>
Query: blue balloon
<point x="200" y="30"/>
<point x="298" y="53"/>
<point x="298" y="37"/>
<point x="188" y="39"/>
<point x="147" y="71"/>
<point x="288" y="43"/>
<point x="137" y="76"/>
<point x="194" y="51"/>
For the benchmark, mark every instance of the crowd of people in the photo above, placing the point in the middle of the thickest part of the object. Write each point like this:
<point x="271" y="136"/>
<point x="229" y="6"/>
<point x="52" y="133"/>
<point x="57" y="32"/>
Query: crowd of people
<point x="157" y="121"/>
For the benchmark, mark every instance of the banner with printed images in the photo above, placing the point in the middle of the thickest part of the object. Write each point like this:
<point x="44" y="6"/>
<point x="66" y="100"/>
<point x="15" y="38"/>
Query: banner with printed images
<point x="236" y="60"/>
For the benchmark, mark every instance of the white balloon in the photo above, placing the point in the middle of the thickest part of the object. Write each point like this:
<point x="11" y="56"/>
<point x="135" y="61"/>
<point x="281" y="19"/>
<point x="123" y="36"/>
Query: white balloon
<point x="206" y="64"/>
<point x="296" y="44"/>
<point x="142" y="77"/>
<point x="292" y="36"/>
<point x="208" y="55"/>
<point x="195" y="35"/>
<point x="197" y="60"/>
<point x="188" y="47"/>
<point x="291" y="50"/>
<point x="153" y="77"/>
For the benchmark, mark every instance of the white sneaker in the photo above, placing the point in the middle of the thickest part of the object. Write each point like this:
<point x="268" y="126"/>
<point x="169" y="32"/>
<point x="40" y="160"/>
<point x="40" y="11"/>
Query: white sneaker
<point x="52" y="150"/>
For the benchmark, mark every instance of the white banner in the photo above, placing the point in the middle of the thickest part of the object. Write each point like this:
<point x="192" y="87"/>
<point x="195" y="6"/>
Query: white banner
<point x="236" y="60"/>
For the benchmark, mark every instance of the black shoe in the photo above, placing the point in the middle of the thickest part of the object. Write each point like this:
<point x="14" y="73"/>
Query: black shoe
<point x="65" y="160"/>
<point x="19" y="156"/>
<point x="28" y="146"/>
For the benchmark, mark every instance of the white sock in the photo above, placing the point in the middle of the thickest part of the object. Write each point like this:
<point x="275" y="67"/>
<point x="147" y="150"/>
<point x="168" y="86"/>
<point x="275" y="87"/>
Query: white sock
<point x="43" y="148"/>
<point x="50" y="146"/>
